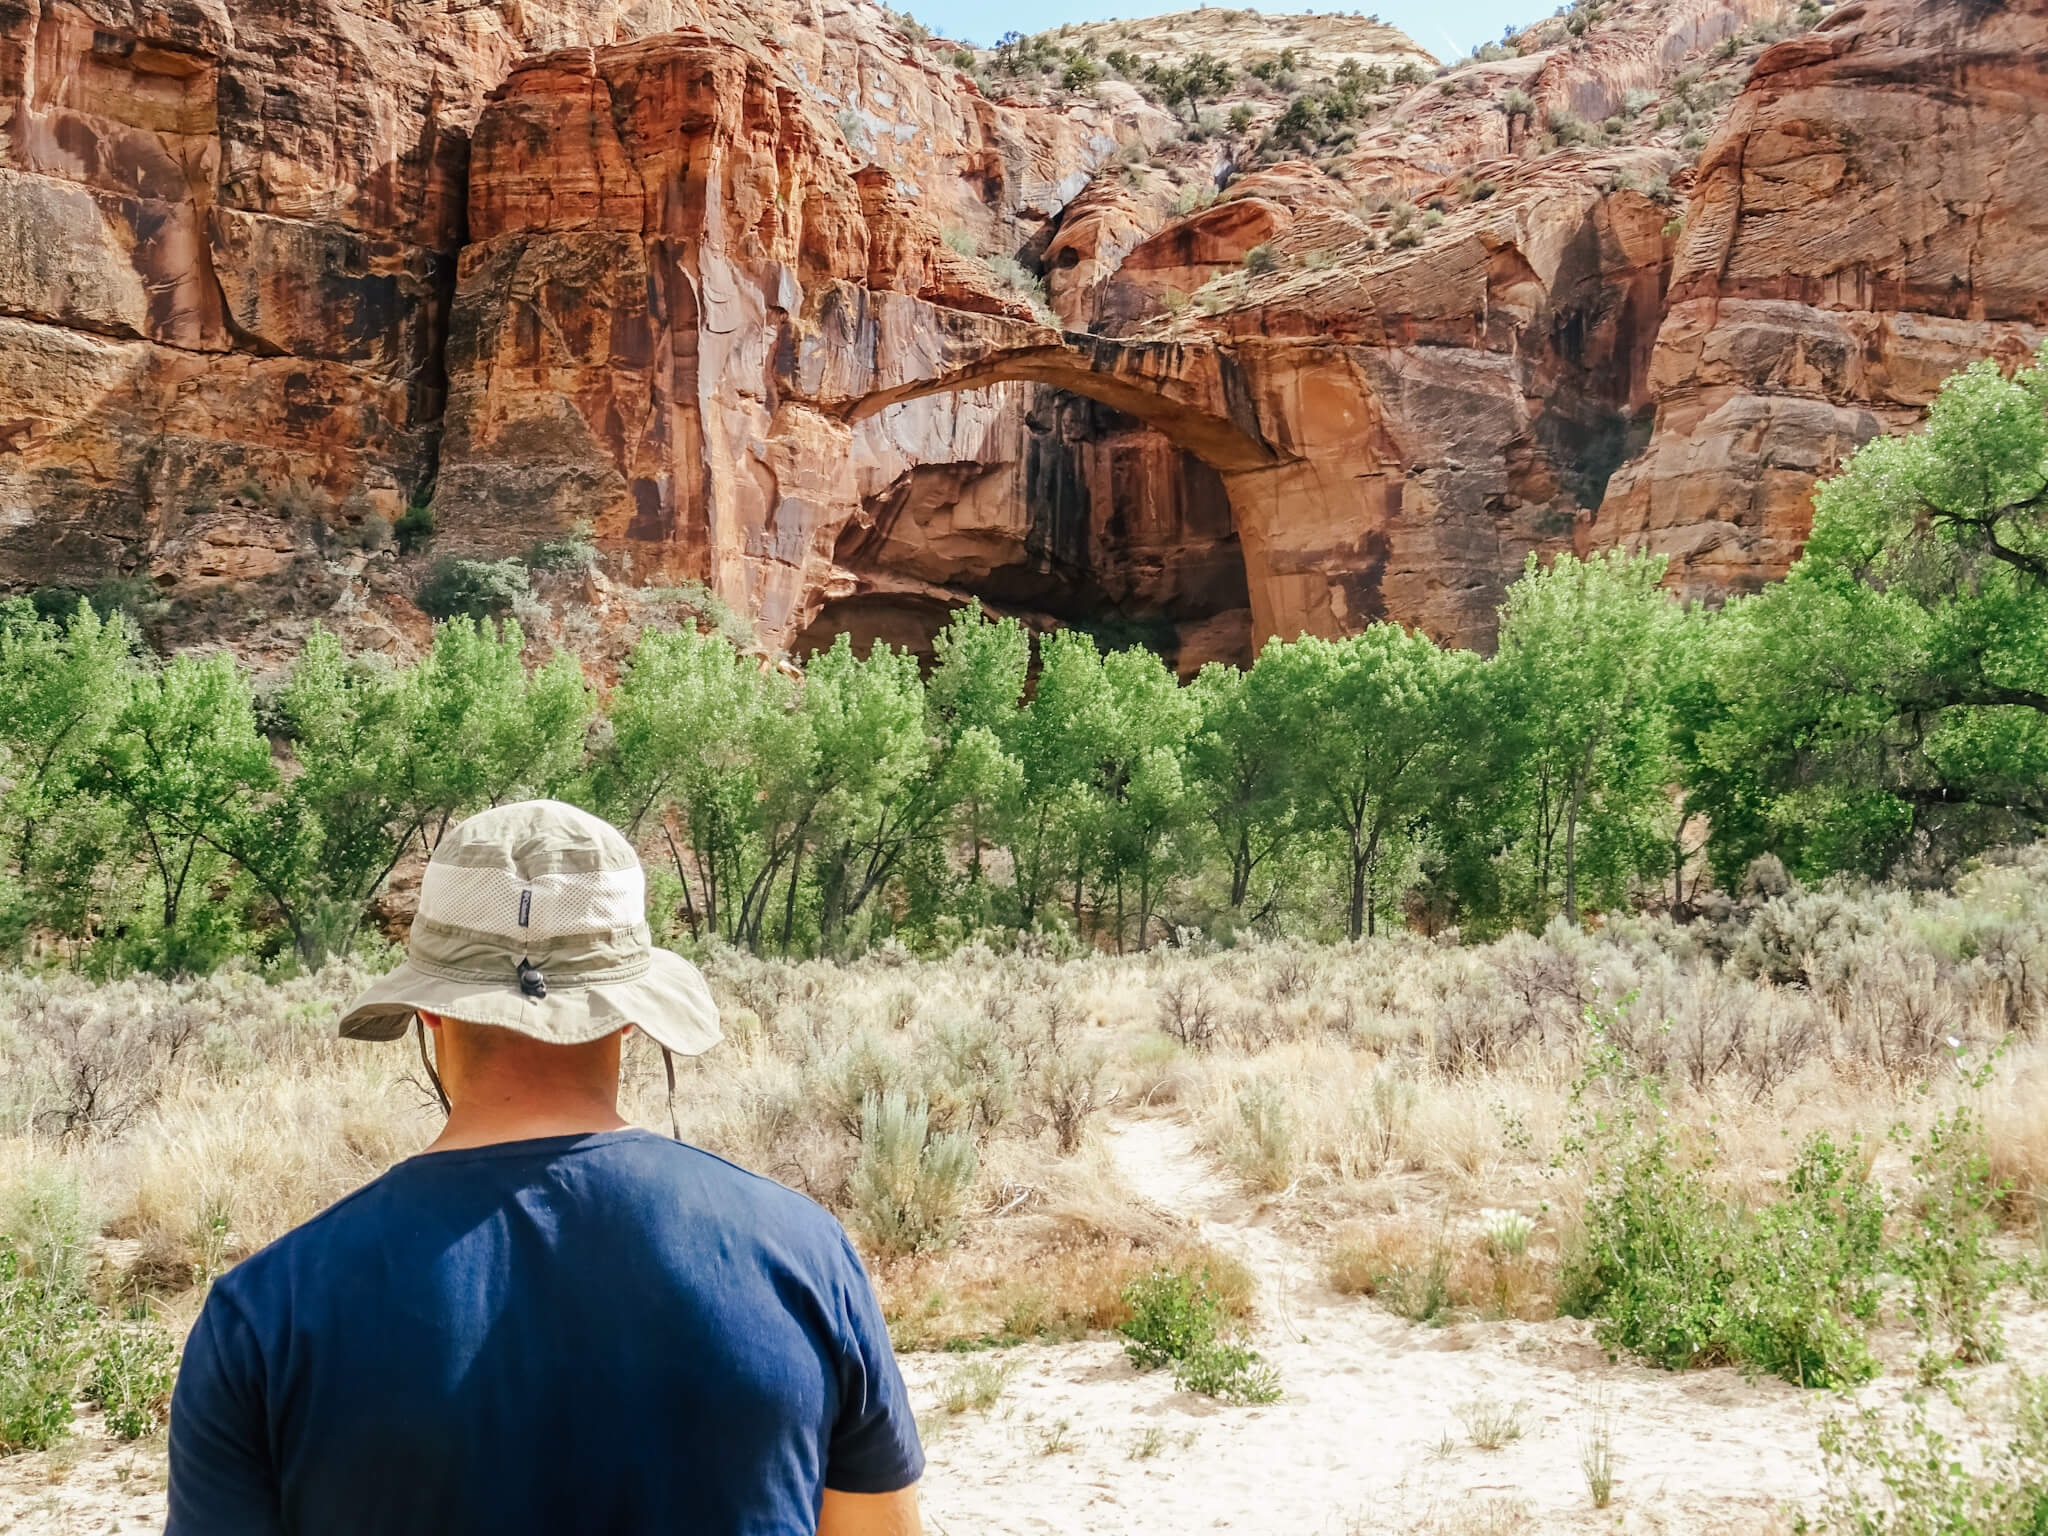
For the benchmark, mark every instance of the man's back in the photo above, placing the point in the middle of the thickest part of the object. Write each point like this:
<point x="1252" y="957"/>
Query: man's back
<point x="604" y="1332"/>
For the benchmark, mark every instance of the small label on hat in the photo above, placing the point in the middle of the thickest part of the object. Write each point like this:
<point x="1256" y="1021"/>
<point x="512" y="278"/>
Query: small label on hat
<point x="525" y="907"/>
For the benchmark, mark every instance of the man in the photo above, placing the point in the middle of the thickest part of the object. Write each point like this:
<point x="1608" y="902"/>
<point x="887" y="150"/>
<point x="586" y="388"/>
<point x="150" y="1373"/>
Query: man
<point x="548" y="1321"/>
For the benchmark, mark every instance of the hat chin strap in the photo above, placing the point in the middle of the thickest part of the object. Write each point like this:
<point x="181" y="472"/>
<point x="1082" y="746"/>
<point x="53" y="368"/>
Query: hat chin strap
<point x="668" y="1063"/>
<point x="420" y="1029"/>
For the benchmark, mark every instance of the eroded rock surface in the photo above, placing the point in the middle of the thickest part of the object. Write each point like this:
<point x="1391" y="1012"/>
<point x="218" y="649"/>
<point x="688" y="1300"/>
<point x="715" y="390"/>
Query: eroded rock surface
<point x="1873" y="216"/>
<point x="738" y="287"/>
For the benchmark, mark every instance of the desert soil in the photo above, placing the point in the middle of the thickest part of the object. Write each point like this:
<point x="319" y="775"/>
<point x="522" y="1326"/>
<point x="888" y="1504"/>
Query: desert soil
<point x="1368" y="1437"/>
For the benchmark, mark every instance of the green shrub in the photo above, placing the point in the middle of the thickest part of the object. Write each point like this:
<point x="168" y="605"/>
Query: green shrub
<point x="908" y="1185"/>
<point x="1177" y="1319"/>
<point x="44" y="1313"/>
<point x="1945" y="1249"/>
<point x="1568" y="127"/>
<point x="1675" y="1274"/>
<point x="41" y="1350"/>
<point x="1653" y="1262"/>
<point x="45" y="1223"/>
<point x="1172" y="1313"/>
<point x="573" y="551"/>
<point x="477" y="589"/>
<point x="1806" y="1273"/>
<point x="134" y="1366"/>
<point x="1232" y="1373"/>
<point x="1912" y="1480"/>
<point x="414" y="527"/>
<point x="708" y="606"/>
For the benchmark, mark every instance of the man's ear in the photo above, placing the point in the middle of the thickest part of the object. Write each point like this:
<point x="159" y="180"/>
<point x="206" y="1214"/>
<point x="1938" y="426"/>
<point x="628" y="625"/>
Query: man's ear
<point x="431" y="1020"/>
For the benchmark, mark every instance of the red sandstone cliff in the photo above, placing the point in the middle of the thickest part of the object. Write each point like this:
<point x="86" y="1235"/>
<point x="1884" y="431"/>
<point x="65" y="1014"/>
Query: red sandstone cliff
<point x="233" y="235"/>
<point x="1873" y="216"/>
<point x="272" y="274"/>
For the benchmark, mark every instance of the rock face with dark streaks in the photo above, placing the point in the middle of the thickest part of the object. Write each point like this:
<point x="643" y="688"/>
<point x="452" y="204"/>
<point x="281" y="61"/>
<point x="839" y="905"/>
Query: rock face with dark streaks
<point x="746" y="292"/>
<point x="1873" y="216"/>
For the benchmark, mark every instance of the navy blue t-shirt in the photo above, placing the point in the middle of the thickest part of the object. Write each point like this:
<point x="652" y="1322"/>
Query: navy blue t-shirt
<point x="598" y="1333"/>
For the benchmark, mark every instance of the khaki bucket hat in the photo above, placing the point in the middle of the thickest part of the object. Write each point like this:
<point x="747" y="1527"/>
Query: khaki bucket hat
<point x="532" y="917"/>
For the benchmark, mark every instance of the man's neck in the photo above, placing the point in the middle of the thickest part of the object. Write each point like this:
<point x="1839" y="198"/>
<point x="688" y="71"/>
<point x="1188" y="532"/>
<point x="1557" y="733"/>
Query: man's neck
<point x="485" y="1120"/>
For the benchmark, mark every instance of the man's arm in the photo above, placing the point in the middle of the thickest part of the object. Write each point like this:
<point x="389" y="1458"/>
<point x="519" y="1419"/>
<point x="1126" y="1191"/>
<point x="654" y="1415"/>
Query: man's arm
<point x="222" y="1483"/>
<point x="870" y="1514"/>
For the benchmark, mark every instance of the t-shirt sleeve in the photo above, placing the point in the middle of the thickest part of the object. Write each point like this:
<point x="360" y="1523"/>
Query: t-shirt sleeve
<point x="874" y="1445"/>
<point x="222" y="1481"/>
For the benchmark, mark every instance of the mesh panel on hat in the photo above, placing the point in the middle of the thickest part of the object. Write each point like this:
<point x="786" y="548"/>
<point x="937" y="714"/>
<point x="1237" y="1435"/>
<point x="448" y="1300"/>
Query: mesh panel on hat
<point x="490" y="900"/>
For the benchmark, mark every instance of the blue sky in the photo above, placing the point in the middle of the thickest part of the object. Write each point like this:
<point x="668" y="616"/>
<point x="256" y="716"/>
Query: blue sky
<point x="1445" y="27"/>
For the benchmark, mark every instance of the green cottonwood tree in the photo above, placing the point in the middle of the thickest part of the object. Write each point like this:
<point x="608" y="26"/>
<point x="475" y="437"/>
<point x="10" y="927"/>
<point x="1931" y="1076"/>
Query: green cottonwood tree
<point x="183" y="760"/>
<point x="1048" y="825"/>
<point x="1238" y="767"/>
<point x="679" y="759"/>
<point x="1889" y="700"/>
<point x="1366" y="727"/>
<point x="972" y="700"/>
<point x="62" y="686"/>
<point x="1579" y="687"/>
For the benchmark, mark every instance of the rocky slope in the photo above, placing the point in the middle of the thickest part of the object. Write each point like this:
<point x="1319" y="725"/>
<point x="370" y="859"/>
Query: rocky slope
<point x="234" y="230"/>
<point x="749" y="292"/>
<point x="1873" y="216"/>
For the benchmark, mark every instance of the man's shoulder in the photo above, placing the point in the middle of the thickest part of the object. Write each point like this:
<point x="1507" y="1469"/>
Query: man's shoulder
<point x="750" y="1190"/>
<point x="649" y="1165"/>
<point x="313" y="1238"/>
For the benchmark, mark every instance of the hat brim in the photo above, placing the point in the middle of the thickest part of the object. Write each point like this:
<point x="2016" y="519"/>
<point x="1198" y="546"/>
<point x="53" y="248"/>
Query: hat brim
<point x="670" y="1003"/>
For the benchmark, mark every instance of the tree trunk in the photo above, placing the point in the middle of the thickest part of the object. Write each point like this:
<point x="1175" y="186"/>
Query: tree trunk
<point x="1571" y="859"/>
<point x="796" y="865"/>
<point x="676" y="856"/>
<point x="1357" y="889"/>
<point x="1372" y="857"/>
<point x="1571" y="833"/>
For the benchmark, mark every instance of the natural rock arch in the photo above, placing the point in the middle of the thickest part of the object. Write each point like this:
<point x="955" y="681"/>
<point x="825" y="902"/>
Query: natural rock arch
<point x="1195" y="394"/>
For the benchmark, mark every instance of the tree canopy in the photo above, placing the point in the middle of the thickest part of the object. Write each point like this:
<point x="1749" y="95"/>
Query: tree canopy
<point x="1881" y="711"/>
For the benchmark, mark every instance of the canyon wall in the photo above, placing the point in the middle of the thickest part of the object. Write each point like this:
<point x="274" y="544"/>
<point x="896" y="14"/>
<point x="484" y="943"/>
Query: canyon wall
<point x="1873" y="216"/>
<point x="233" y="235"/>
<point x="714" y="283"/>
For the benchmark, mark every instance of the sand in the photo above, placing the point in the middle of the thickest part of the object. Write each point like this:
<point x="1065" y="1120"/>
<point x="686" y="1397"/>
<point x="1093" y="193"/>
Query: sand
<point x="1368" y="1437"/>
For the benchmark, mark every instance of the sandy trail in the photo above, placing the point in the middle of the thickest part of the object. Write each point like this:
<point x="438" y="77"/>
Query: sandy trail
<point x="1368" y="1437"/>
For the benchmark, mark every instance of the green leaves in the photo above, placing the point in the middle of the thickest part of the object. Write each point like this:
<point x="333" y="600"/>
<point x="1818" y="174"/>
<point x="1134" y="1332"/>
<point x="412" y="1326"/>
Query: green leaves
<point x="1889" y="700"/>
<point x="1365" y="731"/>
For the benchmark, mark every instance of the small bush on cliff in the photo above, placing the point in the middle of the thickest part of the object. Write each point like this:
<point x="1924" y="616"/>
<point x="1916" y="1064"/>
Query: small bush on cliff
<point x="475" y="589"/>
<point x="1021" y="281"/>
<point x="573" y="551"/>
<point x="414" y="527"/>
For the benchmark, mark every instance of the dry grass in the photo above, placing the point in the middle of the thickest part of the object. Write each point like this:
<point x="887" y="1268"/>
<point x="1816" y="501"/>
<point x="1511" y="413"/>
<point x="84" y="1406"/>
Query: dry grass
<point x="204" y="1118"/>
<point x="1436" y="1270"/>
